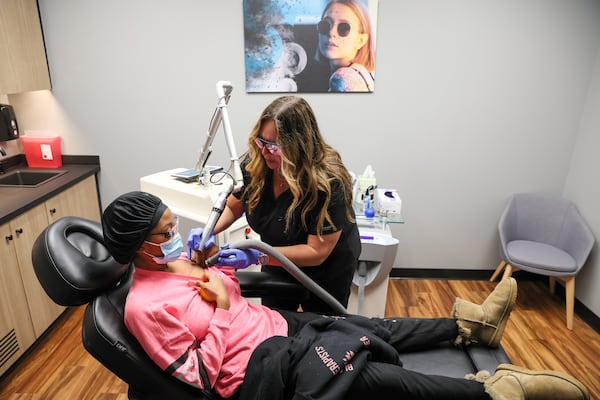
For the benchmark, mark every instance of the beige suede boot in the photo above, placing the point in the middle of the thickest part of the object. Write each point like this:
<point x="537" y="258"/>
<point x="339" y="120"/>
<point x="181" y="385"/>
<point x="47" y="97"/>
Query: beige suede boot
<point x="485" y="323"/>
<point x="514" y="383"/>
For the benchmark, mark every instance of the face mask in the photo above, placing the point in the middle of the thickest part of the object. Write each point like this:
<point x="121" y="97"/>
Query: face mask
<point x="171" y="250"/>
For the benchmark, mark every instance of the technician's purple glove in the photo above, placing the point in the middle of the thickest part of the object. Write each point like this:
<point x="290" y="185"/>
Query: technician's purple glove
<point x="193" y="241"/>
<point x="240" y="258"/>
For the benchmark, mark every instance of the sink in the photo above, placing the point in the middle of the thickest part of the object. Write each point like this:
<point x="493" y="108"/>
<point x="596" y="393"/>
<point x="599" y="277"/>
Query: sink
<point x="28" y="178"/>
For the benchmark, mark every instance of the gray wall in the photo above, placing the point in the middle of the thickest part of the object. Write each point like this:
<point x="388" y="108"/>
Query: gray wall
<point x="475" y="100"/>
<point x="582" y="186"/>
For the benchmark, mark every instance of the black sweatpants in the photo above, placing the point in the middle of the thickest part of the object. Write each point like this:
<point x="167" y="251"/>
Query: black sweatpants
<point x="390" y="381"/>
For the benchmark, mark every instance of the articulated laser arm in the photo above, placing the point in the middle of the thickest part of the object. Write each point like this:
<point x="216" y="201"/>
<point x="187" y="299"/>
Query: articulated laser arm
<point x="221" y="115"/>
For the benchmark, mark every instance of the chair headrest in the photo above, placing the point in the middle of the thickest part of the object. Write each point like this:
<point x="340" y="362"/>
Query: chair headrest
<point x="71" y="262"/>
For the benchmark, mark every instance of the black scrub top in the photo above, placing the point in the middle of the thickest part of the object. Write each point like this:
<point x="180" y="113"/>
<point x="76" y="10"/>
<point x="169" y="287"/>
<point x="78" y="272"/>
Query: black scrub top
<point x="335" y="274"/>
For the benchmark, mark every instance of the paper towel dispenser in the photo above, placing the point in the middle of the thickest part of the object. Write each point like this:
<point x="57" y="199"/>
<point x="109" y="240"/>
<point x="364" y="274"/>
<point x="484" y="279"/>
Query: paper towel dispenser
<point x="9" y="129"/>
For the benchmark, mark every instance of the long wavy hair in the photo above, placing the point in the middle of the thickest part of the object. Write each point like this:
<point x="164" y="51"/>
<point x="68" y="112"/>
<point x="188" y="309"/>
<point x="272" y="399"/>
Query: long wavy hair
<point x="308" y="163"/>
<point x="366" y="54"/>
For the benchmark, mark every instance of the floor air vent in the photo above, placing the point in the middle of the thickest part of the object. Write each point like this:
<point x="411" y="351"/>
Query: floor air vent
<point x="9" y="345"/>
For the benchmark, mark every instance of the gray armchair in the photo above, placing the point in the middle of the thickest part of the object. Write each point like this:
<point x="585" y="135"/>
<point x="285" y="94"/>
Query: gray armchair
<point x="544" y="234"/>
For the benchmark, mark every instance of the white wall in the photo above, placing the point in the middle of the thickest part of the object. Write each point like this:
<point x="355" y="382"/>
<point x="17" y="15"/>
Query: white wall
<point x="475" y="100"/>
<point x="583" y="187"/>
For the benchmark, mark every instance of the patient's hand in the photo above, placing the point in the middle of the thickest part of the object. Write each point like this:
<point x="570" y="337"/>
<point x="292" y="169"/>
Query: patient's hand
<point x="212" y="289"/>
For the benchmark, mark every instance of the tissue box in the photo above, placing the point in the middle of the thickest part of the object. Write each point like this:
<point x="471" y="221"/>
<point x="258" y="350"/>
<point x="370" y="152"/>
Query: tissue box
<point x="388" y="203"/>
<point x="42" y="152"/>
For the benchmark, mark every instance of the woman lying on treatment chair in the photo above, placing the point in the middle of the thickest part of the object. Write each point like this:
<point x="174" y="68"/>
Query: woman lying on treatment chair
<point x="194" y="323"/>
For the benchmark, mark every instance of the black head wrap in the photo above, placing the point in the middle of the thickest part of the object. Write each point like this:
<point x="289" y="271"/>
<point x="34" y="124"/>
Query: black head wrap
<point x="127" y="221"/>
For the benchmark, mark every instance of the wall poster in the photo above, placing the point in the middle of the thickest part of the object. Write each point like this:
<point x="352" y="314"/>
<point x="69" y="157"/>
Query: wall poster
<point x="310" y="46"/>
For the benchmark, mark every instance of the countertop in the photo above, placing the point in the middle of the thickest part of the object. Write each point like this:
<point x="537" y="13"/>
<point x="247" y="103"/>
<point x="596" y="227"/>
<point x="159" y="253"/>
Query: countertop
<point x="16" y="200"/>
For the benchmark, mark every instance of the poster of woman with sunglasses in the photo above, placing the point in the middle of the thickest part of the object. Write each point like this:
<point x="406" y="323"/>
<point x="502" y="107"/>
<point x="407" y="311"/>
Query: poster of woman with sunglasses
<point x="310" y="46"/>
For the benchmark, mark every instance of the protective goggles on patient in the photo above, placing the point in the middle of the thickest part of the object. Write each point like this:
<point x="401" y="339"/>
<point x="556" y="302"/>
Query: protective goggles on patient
<point x="171" y="249"/>
<point x="169" y="234"/>
<point x="325" y="25"/>
<point x="270" y="146"/>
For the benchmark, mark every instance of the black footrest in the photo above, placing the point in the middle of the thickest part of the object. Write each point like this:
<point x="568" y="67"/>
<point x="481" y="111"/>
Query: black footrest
<point x="446" y="359"/>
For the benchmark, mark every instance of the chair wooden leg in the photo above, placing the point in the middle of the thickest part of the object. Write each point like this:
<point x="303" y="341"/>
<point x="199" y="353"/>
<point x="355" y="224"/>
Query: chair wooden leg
<point x="569" y="299"/>
<point x="498" y="270"/>
<point x="508" y="271"/>
<point x="552" y="284"/>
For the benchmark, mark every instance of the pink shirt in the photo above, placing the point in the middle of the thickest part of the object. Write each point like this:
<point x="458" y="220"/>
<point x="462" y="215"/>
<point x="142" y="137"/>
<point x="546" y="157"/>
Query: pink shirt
<point x="190" y="337"/>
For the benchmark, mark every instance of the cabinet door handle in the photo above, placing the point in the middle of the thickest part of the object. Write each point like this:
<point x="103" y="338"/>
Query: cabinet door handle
<point x="53" y="211"/>
<point x="9" y="238"/>
<point x="19" y="231"/>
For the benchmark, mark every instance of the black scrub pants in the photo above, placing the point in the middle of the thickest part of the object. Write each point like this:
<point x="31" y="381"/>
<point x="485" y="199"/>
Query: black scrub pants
<point x="390" y="381"/>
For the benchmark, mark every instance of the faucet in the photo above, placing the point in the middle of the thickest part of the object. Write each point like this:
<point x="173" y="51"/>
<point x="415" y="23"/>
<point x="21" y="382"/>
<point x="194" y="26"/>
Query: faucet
<point x="3" y="153"/>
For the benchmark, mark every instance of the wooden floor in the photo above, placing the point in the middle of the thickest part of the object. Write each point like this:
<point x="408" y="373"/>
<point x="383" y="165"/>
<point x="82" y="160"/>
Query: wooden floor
<point x="536" y="337"/>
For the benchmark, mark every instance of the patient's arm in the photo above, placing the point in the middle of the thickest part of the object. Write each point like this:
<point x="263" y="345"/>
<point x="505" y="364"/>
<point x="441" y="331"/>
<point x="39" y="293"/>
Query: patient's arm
<point x="182" y="333"/>
<point x="201" y="364"/>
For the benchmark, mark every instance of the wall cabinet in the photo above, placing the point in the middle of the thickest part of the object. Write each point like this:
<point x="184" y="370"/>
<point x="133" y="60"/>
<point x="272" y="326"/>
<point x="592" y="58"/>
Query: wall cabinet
<point x="24" y="67"/>
<point x="26" y="309"/>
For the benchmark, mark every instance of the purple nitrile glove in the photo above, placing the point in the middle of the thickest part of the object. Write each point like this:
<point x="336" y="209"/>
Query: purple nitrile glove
<point x="239" y="258"/>
<point x="193" y="241"/>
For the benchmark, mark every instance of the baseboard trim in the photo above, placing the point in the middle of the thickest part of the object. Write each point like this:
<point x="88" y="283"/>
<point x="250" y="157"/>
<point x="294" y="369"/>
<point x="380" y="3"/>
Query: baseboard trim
<point x="581" y="310"/>
<point x="440" y="273"/>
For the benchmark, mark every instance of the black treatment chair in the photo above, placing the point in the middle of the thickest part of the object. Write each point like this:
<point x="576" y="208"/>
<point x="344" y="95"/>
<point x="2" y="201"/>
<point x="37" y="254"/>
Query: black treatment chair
<point x="75" y="268"/>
